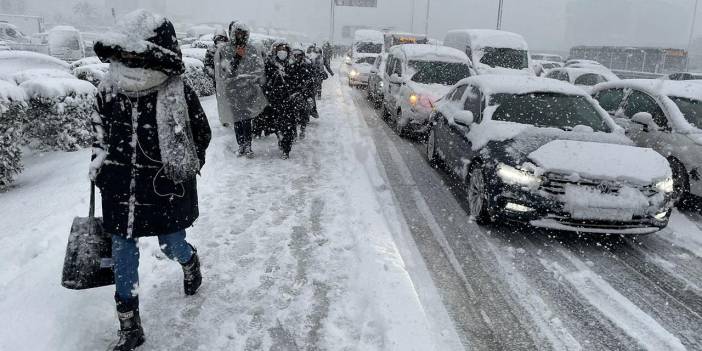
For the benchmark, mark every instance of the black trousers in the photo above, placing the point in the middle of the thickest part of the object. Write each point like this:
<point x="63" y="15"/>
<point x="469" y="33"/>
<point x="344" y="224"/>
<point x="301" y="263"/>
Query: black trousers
<point x="244" y="133"/>
<point x="285" y="125"/>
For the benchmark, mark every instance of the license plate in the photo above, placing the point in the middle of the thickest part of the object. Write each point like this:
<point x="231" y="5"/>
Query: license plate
<point x="603" y="214"/>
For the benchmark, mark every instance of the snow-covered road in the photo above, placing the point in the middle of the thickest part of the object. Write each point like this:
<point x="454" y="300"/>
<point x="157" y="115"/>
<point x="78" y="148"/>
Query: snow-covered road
<point x="514" y="288"/>
<point x="304" y="254"/>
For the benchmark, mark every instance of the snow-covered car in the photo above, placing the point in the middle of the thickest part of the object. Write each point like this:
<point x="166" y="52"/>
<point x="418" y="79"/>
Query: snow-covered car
<point x="547" y="58"/>
<point x="40" y="74"/>
<point x="492" y="51"/>
<point x="12" y="62"/>
<point x="584" y="78"/>
<point x="360" y="70"/>
<point x="66" y="43"/>
<point x="4" y="46"/>
<point x="582" y="62"/>
<point x="541" y="151"/>
<point x="665" y="116"/>
<point x="416" y="76"/>
<point x="12" y="34"/>
<point x="375" y="80"/>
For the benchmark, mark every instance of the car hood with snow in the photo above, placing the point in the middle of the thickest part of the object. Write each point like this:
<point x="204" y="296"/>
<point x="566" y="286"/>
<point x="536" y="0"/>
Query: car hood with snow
<point x="591" y="160"/>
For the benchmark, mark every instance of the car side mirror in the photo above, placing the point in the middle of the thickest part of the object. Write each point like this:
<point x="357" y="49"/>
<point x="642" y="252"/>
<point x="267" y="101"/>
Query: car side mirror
<point x="464" y="118"/>
<point x="646" y="120"/>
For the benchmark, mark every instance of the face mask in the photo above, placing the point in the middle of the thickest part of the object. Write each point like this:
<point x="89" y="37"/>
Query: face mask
<point x="282" y="55"/>
<point x="135" y="79"/>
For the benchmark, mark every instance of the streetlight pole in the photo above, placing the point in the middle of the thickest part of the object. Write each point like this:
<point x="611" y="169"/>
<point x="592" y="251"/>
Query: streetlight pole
<point x="426" y="23"/>
<point x="412" y="19"/>
<point x="499" y="15"/>
<point x="692" y="35"/>
<point x="331" y="20"/>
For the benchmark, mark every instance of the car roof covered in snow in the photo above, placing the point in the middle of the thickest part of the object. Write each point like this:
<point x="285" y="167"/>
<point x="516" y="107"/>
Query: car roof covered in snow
<point x="575" y="73"/>
<point x="369" y="35"/>
<point x="427" y="52"/>
<point x="480" y="38"/>
<point x="518" y="85"/>
<point x="12" y="62"/>
<point x="683" y="89"/>
<point x="57" y="87"/>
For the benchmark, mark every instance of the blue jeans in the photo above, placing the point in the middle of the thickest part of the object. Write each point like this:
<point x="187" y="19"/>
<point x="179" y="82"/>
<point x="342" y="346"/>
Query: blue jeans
<point x="125" y="256"/>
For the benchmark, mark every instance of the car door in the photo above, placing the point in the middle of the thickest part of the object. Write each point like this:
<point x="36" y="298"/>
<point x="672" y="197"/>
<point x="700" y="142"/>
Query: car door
<point x="461" y="150"/>
<point x="389" y="68"/>
<point x="638" y="101"/>
<point x="395" y="89"/>
<point x="445" y="111"/>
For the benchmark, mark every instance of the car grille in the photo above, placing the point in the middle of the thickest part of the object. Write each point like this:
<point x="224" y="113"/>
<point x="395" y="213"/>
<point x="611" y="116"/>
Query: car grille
<point x="556" y="183"/>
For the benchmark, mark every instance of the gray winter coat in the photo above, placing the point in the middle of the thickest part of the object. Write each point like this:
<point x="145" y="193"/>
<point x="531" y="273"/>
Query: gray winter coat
<point x="239" y="93"/>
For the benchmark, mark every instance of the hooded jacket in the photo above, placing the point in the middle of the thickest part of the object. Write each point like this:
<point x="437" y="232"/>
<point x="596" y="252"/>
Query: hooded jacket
<point x="138" y="199"/>
<point x="239" y="80"/>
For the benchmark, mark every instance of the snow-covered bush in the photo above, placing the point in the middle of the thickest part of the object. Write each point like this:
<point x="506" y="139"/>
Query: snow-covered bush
<point x="195" y="75"/>
<point x="94" y="74"/>
<point x="40" y="73"/>
<point x="195" y="53"/>
<point x="59" y="113"/>
<point x="12" y="114"/>
<point x="202" y="44"/>
<point x="85" y="62"/>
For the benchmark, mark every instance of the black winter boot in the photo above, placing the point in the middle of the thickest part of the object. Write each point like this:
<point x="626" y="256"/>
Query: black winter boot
<point x="192" y="278"/>
<point x="131" y="334"/>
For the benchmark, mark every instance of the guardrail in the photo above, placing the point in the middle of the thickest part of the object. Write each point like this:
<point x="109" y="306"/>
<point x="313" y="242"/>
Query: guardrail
<point x="636" y="75"/>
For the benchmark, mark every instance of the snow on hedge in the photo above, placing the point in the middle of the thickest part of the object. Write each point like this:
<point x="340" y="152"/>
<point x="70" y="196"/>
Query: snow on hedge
<point x="195" y="75"/>
<point x="12" y="62"/>
<point x="195" y="53"/>
<point x="85" y="62"/>
<point x="94" y="74"/>
<point x="59" y="113"/>
<point x="12" y="114"/>
<point x="40" y="74"/>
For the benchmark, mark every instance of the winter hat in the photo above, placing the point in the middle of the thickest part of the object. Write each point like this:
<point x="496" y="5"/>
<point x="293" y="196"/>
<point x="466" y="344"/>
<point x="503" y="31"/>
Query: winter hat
<point x="239" y="27"/>
<point x="279" y="43"/>
<point x="220" y="35"/>
<point x="150" y="37"/>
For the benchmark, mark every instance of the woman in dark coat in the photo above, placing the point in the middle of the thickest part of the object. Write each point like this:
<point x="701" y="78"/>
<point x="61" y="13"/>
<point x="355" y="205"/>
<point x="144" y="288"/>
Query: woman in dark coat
<point x="150" y="140"/>
<point x="278" y="90"/>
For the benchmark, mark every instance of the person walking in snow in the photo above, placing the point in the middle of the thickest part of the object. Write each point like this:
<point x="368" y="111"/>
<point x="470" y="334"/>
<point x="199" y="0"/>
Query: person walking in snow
<point x="278" y="90"/>
<point x="301" y="73"/>
<point x="239" y="71"/>
<point x="220" y="39"/>
<point x="151" y="135"/>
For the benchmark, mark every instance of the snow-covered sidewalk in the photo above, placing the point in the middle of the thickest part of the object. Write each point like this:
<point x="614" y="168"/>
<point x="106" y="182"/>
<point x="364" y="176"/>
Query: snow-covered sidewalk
<point x="297" y="254"/>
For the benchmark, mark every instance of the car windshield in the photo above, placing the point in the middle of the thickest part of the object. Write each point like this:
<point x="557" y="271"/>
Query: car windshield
<point x="548" y="110"/>
<point x="434" y="72"/>
<point x="691" y="109"/>
<point x="369" y="48"/>
<point x="368" y="60"/>
<point x="506" y="58"/>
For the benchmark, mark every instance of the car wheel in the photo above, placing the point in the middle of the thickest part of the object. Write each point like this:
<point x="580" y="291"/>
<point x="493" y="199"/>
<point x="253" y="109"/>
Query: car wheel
<point x="432" y="155"/>
<point x="478" y="196"/>
<point x="681" y="184"/>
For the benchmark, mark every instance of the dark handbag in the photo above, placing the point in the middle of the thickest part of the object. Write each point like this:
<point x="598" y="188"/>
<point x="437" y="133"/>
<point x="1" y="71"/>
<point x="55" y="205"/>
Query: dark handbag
<point x="88" y="262"/>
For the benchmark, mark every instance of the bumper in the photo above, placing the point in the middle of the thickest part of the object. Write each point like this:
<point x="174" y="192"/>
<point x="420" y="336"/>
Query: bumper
<point x="361" y="79"/>
<point x="416" y="119"/>
<point x="548" y="212"/>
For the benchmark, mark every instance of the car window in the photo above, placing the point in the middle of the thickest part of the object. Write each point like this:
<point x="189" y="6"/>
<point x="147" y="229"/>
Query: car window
<point x="675" y="76"/>
<point x="610" y="99"/>
<point x="639" y="101"/>
<point x="691" y="110"/>
<point x="472" y="103"/>
<point x="458" y="93"/>
<point x="397" y="67"/>
<point x="388" y="65"/>
<point x="590" y="79"/>
<point x="436" y="72"/>
<point x="559" y="75"/>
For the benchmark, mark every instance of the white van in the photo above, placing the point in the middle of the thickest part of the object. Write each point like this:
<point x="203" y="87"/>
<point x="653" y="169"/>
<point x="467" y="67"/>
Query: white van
<point x="492" y="51"/>
<point x="367" y="42"/>
<point x="66" y="43"/>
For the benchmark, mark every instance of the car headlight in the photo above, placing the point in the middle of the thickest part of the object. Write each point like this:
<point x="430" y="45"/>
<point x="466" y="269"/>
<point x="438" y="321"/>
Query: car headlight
<point x="413" y="99"/>
<point x="353" y="73"/>
<point x="666" y="185"/>
<point x="381" y="84"/>
<point x="513" y="176"/>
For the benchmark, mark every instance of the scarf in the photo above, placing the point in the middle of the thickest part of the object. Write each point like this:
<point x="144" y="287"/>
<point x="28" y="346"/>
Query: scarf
<point x="175" y="138"/>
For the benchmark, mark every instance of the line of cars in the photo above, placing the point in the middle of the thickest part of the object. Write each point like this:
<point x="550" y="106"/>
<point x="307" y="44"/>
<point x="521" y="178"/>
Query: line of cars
<point x="577" y="149"/>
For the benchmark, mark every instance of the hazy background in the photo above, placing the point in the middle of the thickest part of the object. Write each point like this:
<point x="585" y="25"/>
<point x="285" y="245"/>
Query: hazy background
<point x="546" y="24"/>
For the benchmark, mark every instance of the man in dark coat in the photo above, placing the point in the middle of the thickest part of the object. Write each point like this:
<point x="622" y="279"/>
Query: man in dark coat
<point x="301" y="73"/>
<point x="278" y="90"/>
<point x="150" y="140"/>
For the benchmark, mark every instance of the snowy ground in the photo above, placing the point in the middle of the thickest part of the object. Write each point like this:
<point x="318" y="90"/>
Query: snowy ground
<point x="304" y="254"/>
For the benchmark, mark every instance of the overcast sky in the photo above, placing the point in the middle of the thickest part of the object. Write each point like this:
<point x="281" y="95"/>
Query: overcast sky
<point x="546" y="24"/>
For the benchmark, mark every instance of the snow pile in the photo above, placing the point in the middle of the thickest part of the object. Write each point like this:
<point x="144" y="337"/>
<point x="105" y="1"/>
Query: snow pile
<point x="12" y="113"/>
<point x="195" y="75"/>
<point x="424" y="52"/>
<point x="59" y="113"/>
<point x="630" y="164"/>
<point x="518" y="85"/>
<point x="483" y="133"/>
<point x="196" y="53"/>
<point x="94" y="74"/>
<point x="86" y="61"/>
<point x="489" y="38"/>
<point x="40" y="74"/>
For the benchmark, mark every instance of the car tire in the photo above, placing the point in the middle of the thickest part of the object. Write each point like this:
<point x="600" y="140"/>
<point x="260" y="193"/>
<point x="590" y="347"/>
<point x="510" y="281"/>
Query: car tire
<point x="432" y="155"/>
<point x="478" y="197"/>
<point x="681" y="185"/>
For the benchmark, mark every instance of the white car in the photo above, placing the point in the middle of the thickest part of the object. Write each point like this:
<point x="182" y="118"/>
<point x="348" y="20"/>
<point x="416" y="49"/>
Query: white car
<point x="12" y="62"/>
<point x="66" y="43"/>
<point x="492" y="51"/>
<point x="415" y="77"/>
<point x="584" y="78"/>
<point x="665" y="116"/>
<point x="360" y="70"/>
